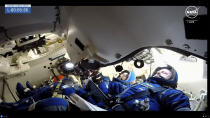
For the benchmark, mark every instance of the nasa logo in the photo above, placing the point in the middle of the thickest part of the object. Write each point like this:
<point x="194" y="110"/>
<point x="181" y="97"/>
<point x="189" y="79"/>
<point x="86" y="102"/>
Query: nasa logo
<point x="191" y="12"/>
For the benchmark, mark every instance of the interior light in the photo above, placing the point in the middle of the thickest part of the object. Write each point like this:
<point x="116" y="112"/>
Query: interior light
<point x="69" y="66"/>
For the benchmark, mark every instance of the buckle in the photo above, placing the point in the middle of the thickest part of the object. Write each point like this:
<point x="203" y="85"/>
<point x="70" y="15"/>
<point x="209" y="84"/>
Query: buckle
<point x="118" y="100"/>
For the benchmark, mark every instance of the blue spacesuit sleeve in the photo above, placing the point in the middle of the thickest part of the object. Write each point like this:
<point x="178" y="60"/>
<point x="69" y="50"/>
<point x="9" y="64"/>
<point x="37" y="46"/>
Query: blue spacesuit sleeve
<point x="42" y="93"/>
<point x="52" y="104"/>
<point x="21" y="105"/>
<point x="68" y="91"/>
<point x="20" y="91"/>
<point x="103" y="87"/>
<point x="29" y="85"/>
<point x="174" y="100"/>
<point x="81" y="92"/>
<point x="115" y="88"/>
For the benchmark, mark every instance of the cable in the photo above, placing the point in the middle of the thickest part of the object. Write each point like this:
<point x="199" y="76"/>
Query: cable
<point x="57" y="19"/>
<point x="150" y="64"/>
<point x="52" y="70"/>
<point x="150" y="70"/>
<point x="2" y="29"/>
<point x="9" y="89"/>
<point x="2" y="95"/>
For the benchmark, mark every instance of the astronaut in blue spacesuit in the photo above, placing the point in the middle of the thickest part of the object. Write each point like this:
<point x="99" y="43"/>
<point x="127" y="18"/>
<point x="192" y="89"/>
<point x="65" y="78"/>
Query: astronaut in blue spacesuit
<point x="117" y="85"/>
<point x="28" y="104"/>
<point x="39" y="99"/>
<point x="156" y="93"/>
<point x="36" y="93"/>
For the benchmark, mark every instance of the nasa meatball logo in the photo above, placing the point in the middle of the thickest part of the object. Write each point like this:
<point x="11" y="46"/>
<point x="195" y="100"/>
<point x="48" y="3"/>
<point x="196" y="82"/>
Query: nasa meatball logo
<point x="191" y="12"/>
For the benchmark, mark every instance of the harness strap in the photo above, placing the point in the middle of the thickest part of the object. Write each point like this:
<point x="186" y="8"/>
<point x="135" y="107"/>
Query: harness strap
<point x="124" y="91"/>
<point x="57" y="88"/>
<point x="122" y="82"/>
<point x="151" y="89"/>
<point x="122" y="105"/>
<point x="135" y="96"/>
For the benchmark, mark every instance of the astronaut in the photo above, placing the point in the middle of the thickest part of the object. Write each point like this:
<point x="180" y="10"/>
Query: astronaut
<point x="35" y="93"/>
<point x="28" y="104"/>
<point x="39" y="99"/>
<point x="108" y="87"/>
<point x="117" y="85"/>
<point x="157" y="93"/>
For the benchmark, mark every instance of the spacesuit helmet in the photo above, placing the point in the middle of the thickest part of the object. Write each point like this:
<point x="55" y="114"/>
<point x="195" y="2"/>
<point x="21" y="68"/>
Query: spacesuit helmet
<point x="127" y="76"/>
<point x="170" y="79"/>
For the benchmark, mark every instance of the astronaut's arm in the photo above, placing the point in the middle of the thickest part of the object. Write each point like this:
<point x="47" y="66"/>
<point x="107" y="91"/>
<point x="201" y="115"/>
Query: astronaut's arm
<point x="115" y="88"/>
<point x="175" y="100"/>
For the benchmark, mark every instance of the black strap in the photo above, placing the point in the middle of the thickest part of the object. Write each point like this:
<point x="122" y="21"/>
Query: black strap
<point x="135" y="96"/>
<point x="144" y="93"/>
<point x="155" y="89"/>
<point x="124" y="106"/>
<point x="96" y="92"/>
<point x="139" y="95"/>
<point x="7" y="84"/>
<point x="115" y="79"/>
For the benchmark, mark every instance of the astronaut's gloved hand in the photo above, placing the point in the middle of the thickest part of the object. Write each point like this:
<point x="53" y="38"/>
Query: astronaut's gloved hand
<point x="68" y="91"/>
<point x="116" y="88"/>
<point x="81" y="92"/>
<point x="30" y="86"/>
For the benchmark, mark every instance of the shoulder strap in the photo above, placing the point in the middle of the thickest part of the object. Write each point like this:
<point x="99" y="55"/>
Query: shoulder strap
<point x="153" y="89"/>
<point x="135" y="96"/>
<point x="167" y="97"/>
<point x="55" y="92"/>
<point x="124" y="91"/>
<point x="96" y="91"/>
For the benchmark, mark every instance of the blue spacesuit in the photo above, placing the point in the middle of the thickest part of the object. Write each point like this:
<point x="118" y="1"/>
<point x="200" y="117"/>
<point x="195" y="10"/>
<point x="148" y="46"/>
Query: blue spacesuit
<point x="28" y="104"/>
<point x="109" y="88"/>
<point x="39" y="99"/>
<point x="36" y="94"/>
<point x="155" y="94"/>
<point x="116" y="86"/>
